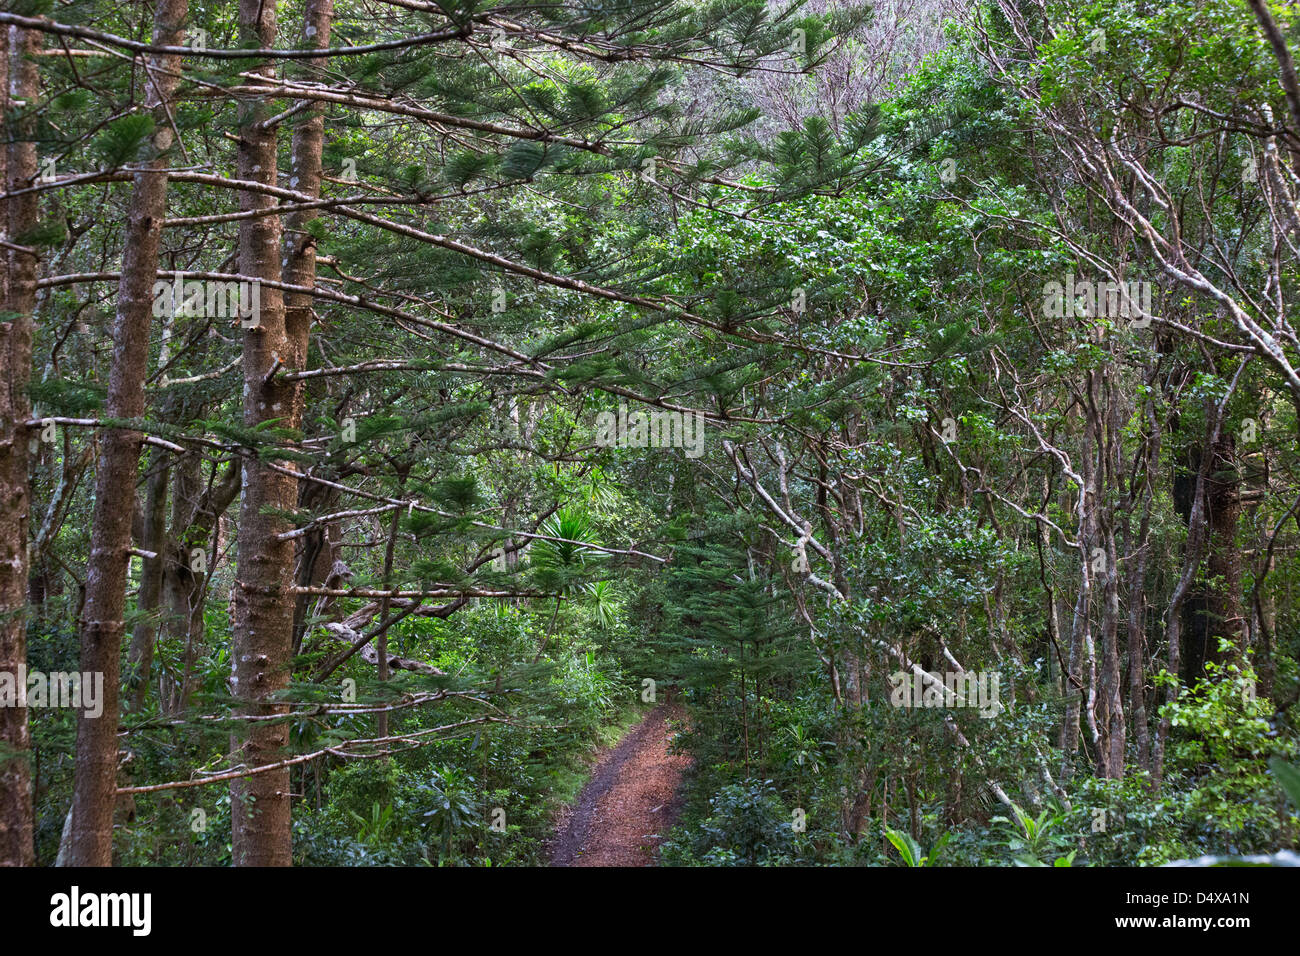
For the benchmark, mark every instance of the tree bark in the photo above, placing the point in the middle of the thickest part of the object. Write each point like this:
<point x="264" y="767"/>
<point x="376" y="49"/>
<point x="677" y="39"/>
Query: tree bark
<point x="21" y="84"/>
<point x="103" y="617"/>
<point x="300" y="269"/>
<point x="263" y="602"/>
<point x="1111" y="710"/>
<point x="1137" y="606"/>
<point x="317" y="551"/>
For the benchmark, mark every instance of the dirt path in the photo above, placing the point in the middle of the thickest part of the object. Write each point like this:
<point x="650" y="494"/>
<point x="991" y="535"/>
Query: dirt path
<point x="629" y="803"/>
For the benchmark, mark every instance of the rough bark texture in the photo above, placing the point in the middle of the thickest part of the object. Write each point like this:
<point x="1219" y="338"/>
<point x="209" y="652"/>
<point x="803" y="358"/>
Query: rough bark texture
<point x="300" y="269"/>
<point x="263" y="603"/>
<point x="102" y="623"/>
<point x="316" y="552"/>
<point x="15" y="370"/>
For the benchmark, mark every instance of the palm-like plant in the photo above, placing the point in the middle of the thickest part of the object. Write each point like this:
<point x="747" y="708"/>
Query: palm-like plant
<point x="910" y="850"/>
<point x="603" y="606"/>
<point x="453" y="804"/>
<point x="560" y="553"/>
<point x="560" y="557"/>
<point x="601" y="492"/>
<point x="805" y="751"/>
<point x="377" y="828"/>
<point x="1032" y="838"/>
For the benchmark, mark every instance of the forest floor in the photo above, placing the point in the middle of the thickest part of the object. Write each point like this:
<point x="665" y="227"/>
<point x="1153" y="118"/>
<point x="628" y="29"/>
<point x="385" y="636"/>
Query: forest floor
<point x="627" y="807"/>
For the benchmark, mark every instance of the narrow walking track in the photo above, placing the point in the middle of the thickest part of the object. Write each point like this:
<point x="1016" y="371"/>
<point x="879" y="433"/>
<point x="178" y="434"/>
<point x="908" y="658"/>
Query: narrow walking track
<point x="628" y="805"/>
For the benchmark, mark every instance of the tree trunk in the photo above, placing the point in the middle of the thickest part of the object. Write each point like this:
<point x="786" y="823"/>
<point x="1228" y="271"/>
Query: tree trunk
<point x="1137" y="647"/>
<point x="1196" y="533"/>
<point x="102" y="623"/>
<point x="1111" y="710"/>
<point x="153" y="538"/>
<point x="196" y="511"/>
<point x="1213" y="608"/>
<point x="21" y="82"/>
<point x="1224" y="616"/>
<point x="1111" y="720"/>
<point x="263" y="604"/>
<point x="381" y="639"/>
<point x="300" y="269"/>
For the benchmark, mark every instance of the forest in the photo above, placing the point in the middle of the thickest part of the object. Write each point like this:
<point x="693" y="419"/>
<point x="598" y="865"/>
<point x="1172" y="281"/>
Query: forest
<point x="678" y="433"/>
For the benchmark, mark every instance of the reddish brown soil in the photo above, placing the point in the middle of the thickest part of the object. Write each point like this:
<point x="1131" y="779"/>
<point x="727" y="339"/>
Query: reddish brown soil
<point x="625" y="810"/>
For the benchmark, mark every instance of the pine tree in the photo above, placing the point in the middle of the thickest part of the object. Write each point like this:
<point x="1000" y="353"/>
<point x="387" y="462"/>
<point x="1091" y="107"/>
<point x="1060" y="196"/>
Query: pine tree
<point x="21" y="84"/>
<point x="103" y="623"/>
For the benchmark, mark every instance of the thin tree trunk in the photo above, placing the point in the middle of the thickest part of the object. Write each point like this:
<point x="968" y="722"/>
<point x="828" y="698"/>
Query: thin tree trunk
<point x="1225" y="618"/>
<point x="15" y="408"/>
<point x="153" y="538"/>
<point x="196" y="511"/>
<point x="102" y="624"/>
<point x="381" y="639"/>
<point x="1137" y="607"/>
<point x="1112" y="722"/>
<point x="1196" y="532"/>
<point x="1075" y="701"/>
<point x="1137" y="647"/>
<point x="300" y="270"/>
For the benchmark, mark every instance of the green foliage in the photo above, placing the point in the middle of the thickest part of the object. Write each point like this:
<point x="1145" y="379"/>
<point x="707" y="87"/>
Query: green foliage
<point x="122" y="140"/>
<point x="453" y="805"/>
<point x="1288" y="776"/>
<point x="906" y="463"/>
<point x="910" y="851"/>
<point x="1222" y="752"/>
<point x="1031" y="839"/>
<point x="746" y="826"/>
